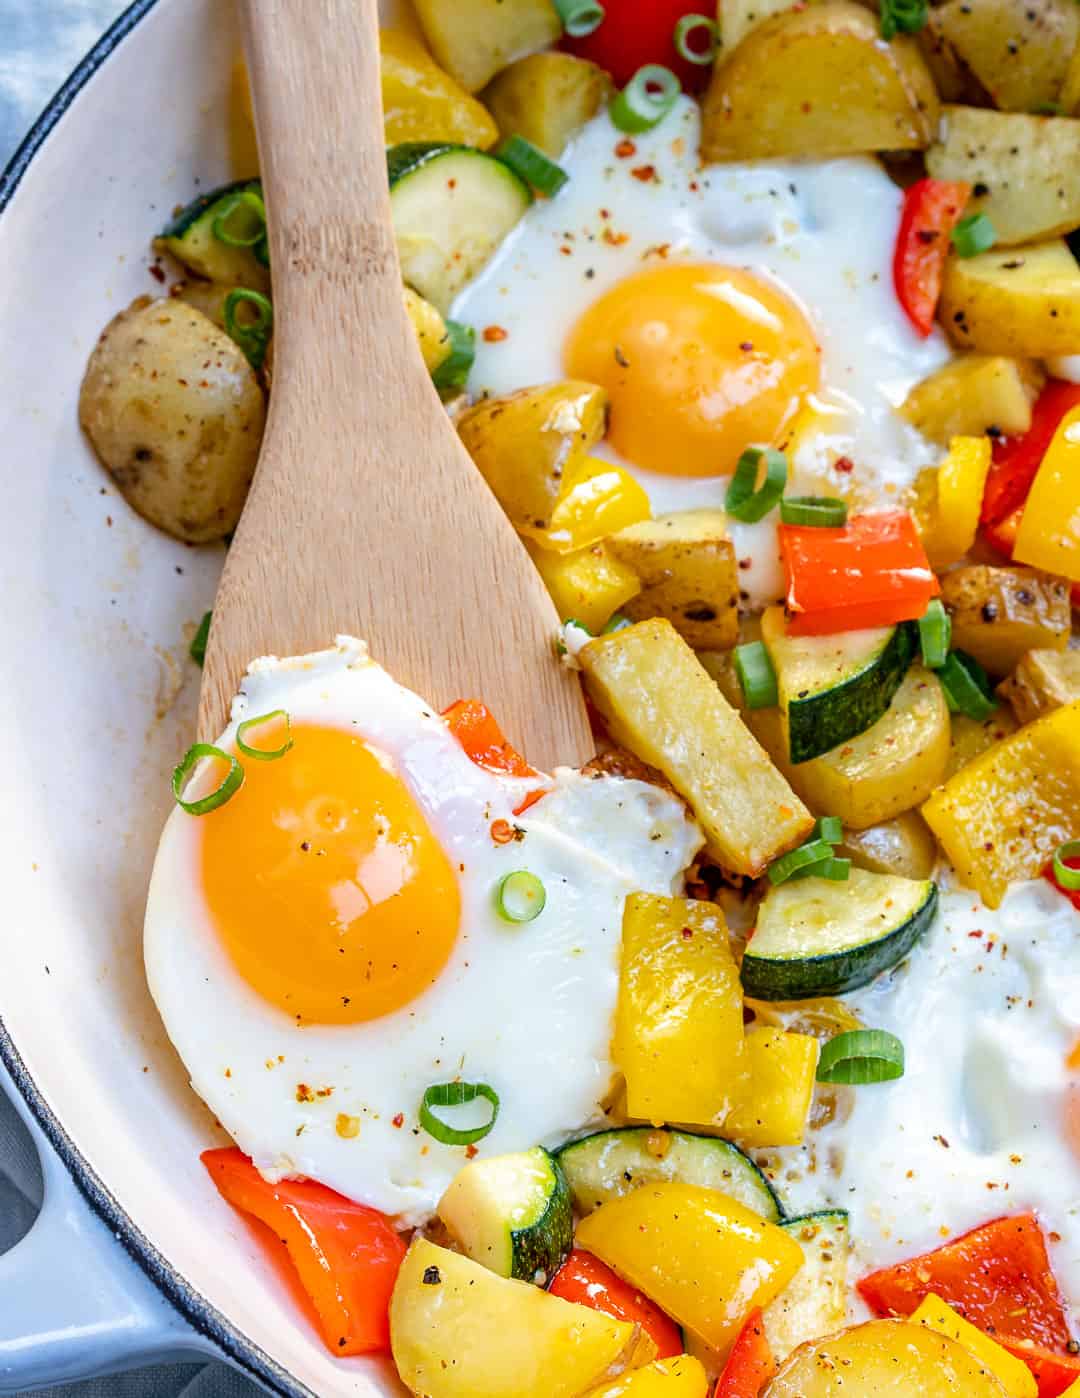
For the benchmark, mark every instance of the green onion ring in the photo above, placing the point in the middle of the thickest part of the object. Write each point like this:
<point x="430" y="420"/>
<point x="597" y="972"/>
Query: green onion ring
<point x="820" y="511"/>
<point x="756" y="675"/>
<point x="454" y="370"/>
<point x="646" y="99"/>
<point x="617" y="622"/>
<point x="520" y="896"/>
<point x="830" y="829"/>
<point x="796" y="860"/>
<point x="967" y="689"/>
<point x="264" y="754"/>
<point x="580" y="18"/>
<point x="935" y="633"/>
<point x="230" y="783"/>
<point x="253" y="337"/>
<point x="245" y="199"/>
<point x="903" y="17"/>
<point x="691" y="24"/>
<point x="1066" y="877"/>
<point x="743" y="500"/>
<point x="836" y="869"/>
<point x="530" y="164"/>
<point x="197" y="650"/>
<point x="456" y="1094"/>
<point x="861" y="1056"/>
<point x="973" y="235"/>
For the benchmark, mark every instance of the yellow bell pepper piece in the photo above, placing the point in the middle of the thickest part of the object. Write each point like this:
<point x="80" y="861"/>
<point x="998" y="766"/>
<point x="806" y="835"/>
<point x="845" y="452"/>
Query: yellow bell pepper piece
<point x="430" y="329"/>
<point x="588" y="586"/>
<point x="1049" y="533"/>
<point x="701" y="1256"/>
<point x="1013" y="1374"/>
<point x="1073" y="1390"/>
<point x="776" y="1100"/>
<point x="951" y="498"/>
<point x="681" y="1377"/>
<point x="597" y="499"/>
<point x="422" y="103"/>
<point x="679" y="1018"/>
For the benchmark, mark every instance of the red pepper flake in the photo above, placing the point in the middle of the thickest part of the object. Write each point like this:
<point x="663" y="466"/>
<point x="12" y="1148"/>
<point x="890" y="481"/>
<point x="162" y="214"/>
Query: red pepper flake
<point x="645" y="173"/>
<point x="844" y="465"/>
<point x="399" y="1120"/>
<point x="502" y="832"/>
<point x="304" y="1093"/>
<point x="615" y="240"/>
<point x="157" y="272"/>
<point x="625" y="149"/>
<point x="471" y="1152"/>
<point x="566" y="252"/>
<point x="494" y="333"/>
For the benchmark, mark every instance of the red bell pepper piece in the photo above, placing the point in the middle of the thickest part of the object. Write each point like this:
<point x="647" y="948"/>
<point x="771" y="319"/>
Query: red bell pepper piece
<point x="588" y="1281"/>
<point x="346" y="1255"/>
<point x="997" y="1276"/>
<point x="1054" y="1373"/>
<point x="635" y="32"/>
<point x="1017" y="459"/>
<point x="872" y="572"/>
<point x="750" y="1364"/>
<point x="475" y="728"/>
<point x="931" y="209"/>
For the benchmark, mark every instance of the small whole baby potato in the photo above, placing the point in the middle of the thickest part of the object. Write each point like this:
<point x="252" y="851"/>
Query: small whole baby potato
<point x="176" y="414"/>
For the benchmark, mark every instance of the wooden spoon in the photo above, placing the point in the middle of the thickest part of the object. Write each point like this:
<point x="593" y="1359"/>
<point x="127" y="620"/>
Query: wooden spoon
<point x="366" y="514"/>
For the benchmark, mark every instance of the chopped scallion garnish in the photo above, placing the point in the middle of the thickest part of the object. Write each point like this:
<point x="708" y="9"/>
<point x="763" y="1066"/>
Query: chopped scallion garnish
<point x="861" y="1056"/>
<point x="454" y="370"/>
<point x="199" y="640"/>
<point x="903" y="17"/>
<point x="271" y="719"/>
<point x="801" y="860"/>
<point x="746" y="502"/>
<point x="253" y="332"/>
<point x="580" y="17"/>
<point x="823" y="511"/>
<point x="229" y="785"/>
<point x="618" y="622"/>
<point x="520" y="896"/>
<point x="972" y="235"/>
<point x="529" y="162"/>
<point x="646" y="99"/>
<point x="966" y="686"/>
<point x="242" y="222"/>
<point x="697" y="38"/>
<point x="935" y="633"/>
<point x="830" y="829"/>
<point x="456" y="1094"/>
<point x="756" y="675"/>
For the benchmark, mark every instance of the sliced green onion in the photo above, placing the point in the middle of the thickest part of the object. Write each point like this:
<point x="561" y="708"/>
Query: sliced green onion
<point x="242" y="222"/>
<point x="617" y="623"/>
<point x="231" y="783"/>
<point x="903" y="17"/>
<point x="253" y="336"/>
<point x="646" y="99"/>
<point x="690" y="25"/>
<point x="837" y="869"/>
<point x="1067" y="877"/>
<point x="756" y="675"/>
<point x="580" y="17"/>
<point x="199" y="640"/>
<point x="829" y="829"/>
<point x="454" y="370"/>
<point x="264" y="754"/>
<point x="534" y="167"/>
<point x="824" y="511"/>
<point x="935" y="633"/>
<point x="966" y="686"/>
<point x="973" y="235"/>
<point x="520" y="896"/>
<point x="744" y="501"/>
<point x="456" y="1094"/>
<point x="797" y="860"/>
<point x="861" y="1056"/>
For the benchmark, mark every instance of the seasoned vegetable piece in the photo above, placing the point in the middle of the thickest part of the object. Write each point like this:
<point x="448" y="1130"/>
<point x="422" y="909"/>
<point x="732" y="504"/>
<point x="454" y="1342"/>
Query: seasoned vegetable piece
<point x="430" y="329"/>
<point x="1015" y="1377"/>
<point x="704" y="1258"/>
<point x="176" y="415"/>
<point x="814" y="1302"/>
<point x="1049" y="532"/>
<point x="971" y="737"/>
<point x="660" y="703"/>
<point x="208" y="297"/>
<point x="475" y="39"/>
<point x="780" y="1084"/>
<point x="750" y="1364"/>
<point x="950" y="498"/>
<point x="818" y="81"/>
<point x="1043" y="680"/>
<point x="903" y="846"/>
<point x="686" y="564"/>
<point x="678" y="1037"/>
<point x="526" y="443"/>
<point x="422" y="103"/>
<point x="1023" y="168"/>
<point x="954" y="80"/>
<point x="740" y="16"/>
<point x="1018" y="49"/>
<point x="547" y="98"/>
<point x="886" y="1359"/>
<point x="194" y="236"/>
<point x="1023" y="302"/>
<point x="999" y="614"/>
<point x="1000" y="818"/>
<point x="586" y="1280"/>
<point x="589" y="586"/>
<point x="972" y="394"/>
<point x="596" y="499"/>
<point x="458" y="1331"/>
<point x="680" y="1377"/>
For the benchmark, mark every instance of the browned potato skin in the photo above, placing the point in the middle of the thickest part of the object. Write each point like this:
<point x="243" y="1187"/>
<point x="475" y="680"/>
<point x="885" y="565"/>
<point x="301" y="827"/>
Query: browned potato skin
<point x="819" y="81"/>
<point x="1043" y="680"/>
<point x="999" y="614"/>
<point x="972" y="394"/>
<point x="1018" y="49"/>
<point x="954" y="80"/>
<point x="176" y="415"/>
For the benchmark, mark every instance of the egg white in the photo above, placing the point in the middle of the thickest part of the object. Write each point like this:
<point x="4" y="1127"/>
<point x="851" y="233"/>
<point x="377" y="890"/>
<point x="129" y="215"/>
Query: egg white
<point x="526" y="1008"/>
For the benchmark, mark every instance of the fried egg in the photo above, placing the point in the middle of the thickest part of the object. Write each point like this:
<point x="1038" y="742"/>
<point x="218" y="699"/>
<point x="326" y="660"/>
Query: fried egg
<point x="720" y="306"/>
<point x="327" y="944"/>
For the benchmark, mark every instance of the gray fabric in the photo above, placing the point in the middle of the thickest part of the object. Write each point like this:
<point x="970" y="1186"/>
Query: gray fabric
<point x="40" y="42"/>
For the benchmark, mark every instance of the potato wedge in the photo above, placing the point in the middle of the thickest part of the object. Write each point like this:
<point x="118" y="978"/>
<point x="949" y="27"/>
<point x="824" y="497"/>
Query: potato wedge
<point x="971" y="737"/>
<point x="547" y="98"/>
<point x="999" y="614"/>
<point x="738" y="17"/>
<point x="903" y="847"/>
<point x="589" y="586"/>
<point x="1024" y="170"/>
<point x="475" y="39"/>
<point x="1042" y="681"/>
<point x="422" y="103"/>
<point x="973" y="394"/>
<point x="1018" y="49"/>
<point x="1023" y="302"/>
<point x="686" y="564"/>
<point x="818" y="81"/>
<point x="681" y="1377"/>
<point x="954" y="80"/>
<point x="660" y="703"/>
<point x="525" y="442"/>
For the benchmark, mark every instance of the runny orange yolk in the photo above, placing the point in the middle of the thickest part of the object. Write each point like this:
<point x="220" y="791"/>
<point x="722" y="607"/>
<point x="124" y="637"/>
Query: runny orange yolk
<point x="325" y="883"/>
<point x="699" y="361"/>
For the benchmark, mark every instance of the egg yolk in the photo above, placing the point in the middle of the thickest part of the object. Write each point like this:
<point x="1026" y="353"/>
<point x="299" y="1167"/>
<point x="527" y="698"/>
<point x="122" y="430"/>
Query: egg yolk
<point x="325" y="883"/>
<point x="700" y="361"/>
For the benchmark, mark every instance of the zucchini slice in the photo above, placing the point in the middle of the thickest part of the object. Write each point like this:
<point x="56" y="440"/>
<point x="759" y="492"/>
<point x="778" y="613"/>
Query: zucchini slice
<point x="191" y="239"/>
<point x="452" y="206"/>
<point x="815" y="937"/>
<point x="512" y="1214"/>
<point x="612" y="1163"/>
<point x="833" y="688"/>
<point x="814" y="1302"/>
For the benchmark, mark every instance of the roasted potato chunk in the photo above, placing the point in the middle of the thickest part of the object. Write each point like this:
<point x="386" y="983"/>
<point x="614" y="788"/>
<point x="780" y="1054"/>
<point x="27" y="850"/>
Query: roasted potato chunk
<point x="1024" y="170"/>
<point x="953" y="79"/>
<point x="974" y="394"/>
<point x="686" y="564"/>
<point x="738" y="17"/>
<point x="903" y="847"/>
<point x="176" y="414"/>
<point x="525" y="442"/>
<point x="818" y="81"/>
<point x="971" y="737"/>
<point x="999" y="614"/>
<point x="208" y="297"/>
<point x="1023" y="302"/>
<point x="430" y="329"/>
<point x="422" y="103"/>
<point x="547" y="98"/>
<point x="1018" y="49"/>
<point x="475" y="39"/>
<point x="1042" y="681"/>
